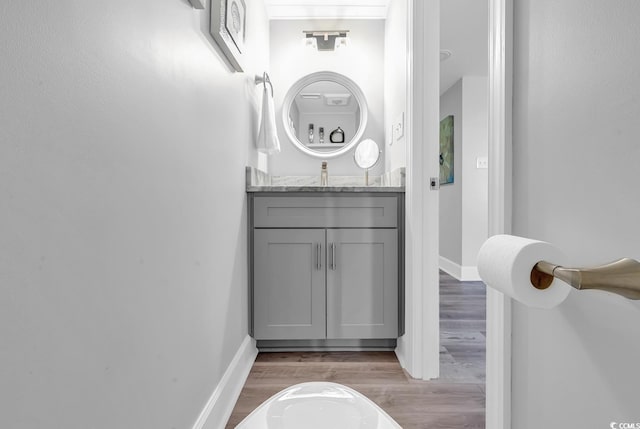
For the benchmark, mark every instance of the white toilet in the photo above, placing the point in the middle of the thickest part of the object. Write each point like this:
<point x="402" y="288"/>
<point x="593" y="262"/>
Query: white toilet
<point x="318" y="405"/>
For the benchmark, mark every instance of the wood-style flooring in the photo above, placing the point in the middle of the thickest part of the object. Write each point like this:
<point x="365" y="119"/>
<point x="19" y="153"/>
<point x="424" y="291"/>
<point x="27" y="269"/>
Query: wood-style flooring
<point x="455" y="400"/>
<point x="462" y="330"/>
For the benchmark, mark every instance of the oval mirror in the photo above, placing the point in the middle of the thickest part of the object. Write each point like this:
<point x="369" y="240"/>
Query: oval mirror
<point x="324" y="114"/>
<point x="366" y="156"/>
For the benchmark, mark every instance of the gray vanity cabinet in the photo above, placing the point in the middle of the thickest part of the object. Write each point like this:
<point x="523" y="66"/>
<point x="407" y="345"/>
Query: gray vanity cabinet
<point x="289" y="295"/>
<point x="326" y="267"/>
<point x="362" y="283"/>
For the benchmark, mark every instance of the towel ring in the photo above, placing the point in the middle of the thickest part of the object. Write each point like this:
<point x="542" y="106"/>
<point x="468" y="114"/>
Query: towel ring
<point x="264" y="80"/>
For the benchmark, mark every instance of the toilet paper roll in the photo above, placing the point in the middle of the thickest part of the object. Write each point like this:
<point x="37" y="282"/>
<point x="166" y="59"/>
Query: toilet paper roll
<point x="505" y="263"/>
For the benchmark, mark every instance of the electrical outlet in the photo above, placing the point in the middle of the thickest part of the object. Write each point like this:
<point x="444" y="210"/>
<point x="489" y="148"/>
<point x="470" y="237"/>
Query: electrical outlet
<point x="482" y="162"/>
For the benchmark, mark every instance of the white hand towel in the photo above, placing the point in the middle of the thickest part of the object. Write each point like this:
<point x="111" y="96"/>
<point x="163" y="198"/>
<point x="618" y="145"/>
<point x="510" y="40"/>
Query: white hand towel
<point x="268" y="135"/>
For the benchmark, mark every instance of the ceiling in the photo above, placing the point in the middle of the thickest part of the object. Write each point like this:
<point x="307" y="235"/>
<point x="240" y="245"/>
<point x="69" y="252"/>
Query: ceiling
<point x="328" y="9"/>
<point x="463" y="28"/>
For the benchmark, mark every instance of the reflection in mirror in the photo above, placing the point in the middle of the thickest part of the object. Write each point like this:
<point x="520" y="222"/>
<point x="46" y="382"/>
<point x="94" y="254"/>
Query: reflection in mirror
<point x="366" y="156"/>
<point x="324" y="114"/>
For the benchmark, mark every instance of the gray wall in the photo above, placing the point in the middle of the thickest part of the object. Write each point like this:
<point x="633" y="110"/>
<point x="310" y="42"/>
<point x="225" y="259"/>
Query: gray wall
<point x="123" y="266"/>
<point x="451" y="194"/>
<point x="464" y="203"/>
<point x="576" y="179"/>
<point x="475" y="181"/>
<point x="362" y="61"/>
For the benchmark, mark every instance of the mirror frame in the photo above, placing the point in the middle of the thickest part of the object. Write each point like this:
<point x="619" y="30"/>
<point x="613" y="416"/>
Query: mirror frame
<point x="316" y="77"/>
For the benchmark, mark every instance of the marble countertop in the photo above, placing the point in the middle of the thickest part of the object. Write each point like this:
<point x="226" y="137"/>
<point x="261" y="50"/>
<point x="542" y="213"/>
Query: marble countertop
<point x="325" y="189"/>
<point x="259" y="181"/>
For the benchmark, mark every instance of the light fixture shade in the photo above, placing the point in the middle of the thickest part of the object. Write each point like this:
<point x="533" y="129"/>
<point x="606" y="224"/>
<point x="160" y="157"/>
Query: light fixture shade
<point x="341" y="42"/>
<point x="326" y="40"/>
<point x="311" y="42"/>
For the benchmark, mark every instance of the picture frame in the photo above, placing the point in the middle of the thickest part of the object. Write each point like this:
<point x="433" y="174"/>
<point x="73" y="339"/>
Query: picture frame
<point x="228" y="29"/>
<point x="446" y="151"/>
<point x="198" y="4"/>
<point x="235" y="22"/>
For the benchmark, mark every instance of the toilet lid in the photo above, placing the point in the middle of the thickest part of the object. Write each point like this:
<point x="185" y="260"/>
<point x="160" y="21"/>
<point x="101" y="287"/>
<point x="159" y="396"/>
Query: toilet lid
<point x="321" y="406"/>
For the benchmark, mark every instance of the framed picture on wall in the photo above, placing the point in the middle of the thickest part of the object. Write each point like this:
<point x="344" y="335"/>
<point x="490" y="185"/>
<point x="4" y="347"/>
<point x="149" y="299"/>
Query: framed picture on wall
<point x="446" y="150"/>
<point x="228" y="28"/>
<point x="198" y="4"/>
<point x="235" y="21"/>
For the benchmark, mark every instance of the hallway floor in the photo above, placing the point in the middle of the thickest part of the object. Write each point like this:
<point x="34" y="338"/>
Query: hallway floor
<point x="462" y="330"/>
<point x="456" y="400"/>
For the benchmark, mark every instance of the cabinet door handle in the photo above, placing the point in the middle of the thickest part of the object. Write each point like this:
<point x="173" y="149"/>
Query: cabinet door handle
<point x="318" y="257"/>
<point x="333" y="257"/>
<point x="330" y="256"/>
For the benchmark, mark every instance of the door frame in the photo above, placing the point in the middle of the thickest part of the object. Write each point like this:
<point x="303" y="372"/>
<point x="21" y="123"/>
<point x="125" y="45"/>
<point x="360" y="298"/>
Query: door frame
<point x="418" y="349"/>
<point x="498" y="377"/>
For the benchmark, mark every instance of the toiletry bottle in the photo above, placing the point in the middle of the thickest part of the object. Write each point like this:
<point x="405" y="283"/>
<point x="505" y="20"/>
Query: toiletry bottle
<point x="321" y="135"/>
<point x="324" y="175"/>
<point x="310" y="133"/>
<point x="337" y="136"/>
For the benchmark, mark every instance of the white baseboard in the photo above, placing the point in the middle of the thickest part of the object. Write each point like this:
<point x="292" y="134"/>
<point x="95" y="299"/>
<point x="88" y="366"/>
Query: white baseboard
<point x="450" y="267"/>
<point x="470" y="274"/>
<point x="462" y="273"/>
<point x="400" y="351"/>
<point x="220" y="405"/>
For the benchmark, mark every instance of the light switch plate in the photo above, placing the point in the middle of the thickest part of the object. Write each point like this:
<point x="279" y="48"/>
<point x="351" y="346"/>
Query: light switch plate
<point x="434" y="183"/>
<point x="398" y="127"/>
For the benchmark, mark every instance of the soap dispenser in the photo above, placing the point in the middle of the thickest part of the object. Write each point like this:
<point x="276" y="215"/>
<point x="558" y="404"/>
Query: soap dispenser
<point x="337" y="136"/>
<point x="324" y="175"/>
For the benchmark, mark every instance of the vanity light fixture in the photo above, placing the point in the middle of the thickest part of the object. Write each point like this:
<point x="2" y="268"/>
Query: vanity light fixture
<point x="326" y="40"/>
<point x="341" y="42"/>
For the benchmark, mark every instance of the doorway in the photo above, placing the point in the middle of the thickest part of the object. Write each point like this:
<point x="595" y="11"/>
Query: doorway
<point x="463" y="212"/>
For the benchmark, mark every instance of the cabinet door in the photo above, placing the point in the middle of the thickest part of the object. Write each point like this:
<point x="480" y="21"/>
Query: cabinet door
<point x="289" y="284"/>
<point x="362" y="283"/>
